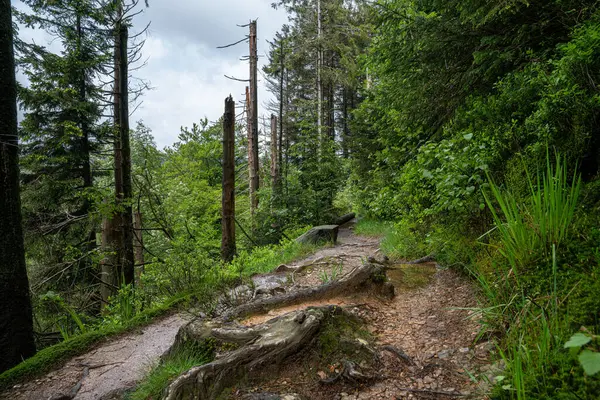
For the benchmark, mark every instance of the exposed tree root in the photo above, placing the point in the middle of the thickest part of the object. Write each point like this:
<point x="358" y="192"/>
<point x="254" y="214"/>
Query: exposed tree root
<point x="267" y="344"/>
<point x="357" y="279"/>
<point x="399" y="353"/>
<point x="260" y="346"/>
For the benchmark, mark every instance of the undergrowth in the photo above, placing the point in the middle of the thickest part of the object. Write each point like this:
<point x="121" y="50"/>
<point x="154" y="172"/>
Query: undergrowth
<point x="538" y="269"/>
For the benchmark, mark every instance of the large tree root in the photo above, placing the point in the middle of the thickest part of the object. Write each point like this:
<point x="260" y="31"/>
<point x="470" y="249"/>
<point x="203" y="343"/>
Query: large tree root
<point x="368" y="274"/>
<point x="260" y="346"/>
<point x="267" y="344"/>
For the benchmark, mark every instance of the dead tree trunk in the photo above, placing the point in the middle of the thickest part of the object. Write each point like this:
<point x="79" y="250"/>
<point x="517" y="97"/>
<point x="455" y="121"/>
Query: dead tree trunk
<point x="122" y="222"/>
<point x="138" y="247"/>
<point x="274" y="154"/>
<point x="253" y="131"/>
<point x="281" y="100"/>
<point x="345" y="122"/>
<point x="128" y="257"/>
<point x="228" y="196"/>
<point x="319" y="73"/>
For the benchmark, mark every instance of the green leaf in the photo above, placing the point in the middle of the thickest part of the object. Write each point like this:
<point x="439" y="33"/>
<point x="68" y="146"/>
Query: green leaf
<point x="427" y="174"/>
<point x="590" y="361"/>
<point x="578" y="340"/>
<point x="468" y="136"/>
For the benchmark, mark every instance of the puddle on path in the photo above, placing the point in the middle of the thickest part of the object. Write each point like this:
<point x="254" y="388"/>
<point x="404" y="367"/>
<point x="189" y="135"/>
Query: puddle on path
<point x="411" y="276"/>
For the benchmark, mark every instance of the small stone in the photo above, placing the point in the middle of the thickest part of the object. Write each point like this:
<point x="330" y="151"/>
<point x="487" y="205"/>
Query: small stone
<point x="464" y="349"/>
<point x="322" y="375"/>
<point x="444" y="354"/>
<point x="428" y="379"/>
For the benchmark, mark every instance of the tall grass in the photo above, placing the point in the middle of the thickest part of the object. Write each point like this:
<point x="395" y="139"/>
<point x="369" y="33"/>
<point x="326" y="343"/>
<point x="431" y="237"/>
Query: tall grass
<point x="529" y="232"/>
<point x="530" y="229"/>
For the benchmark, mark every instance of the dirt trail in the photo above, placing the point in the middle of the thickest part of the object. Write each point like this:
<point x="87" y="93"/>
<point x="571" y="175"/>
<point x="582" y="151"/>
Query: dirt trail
<point x="426" y="320"/>
<point x="107" y="370"/>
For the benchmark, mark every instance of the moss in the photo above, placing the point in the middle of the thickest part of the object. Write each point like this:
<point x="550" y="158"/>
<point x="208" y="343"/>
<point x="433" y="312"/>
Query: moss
<point x="339" y="337"/>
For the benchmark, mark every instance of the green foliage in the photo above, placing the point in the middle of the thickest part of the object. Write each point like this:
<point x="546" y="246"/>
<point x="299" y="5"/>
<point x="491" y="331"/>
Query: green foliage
<point x="535" y="229"/>
<point x="64" y="323"/>
<point x="370" y="227"/>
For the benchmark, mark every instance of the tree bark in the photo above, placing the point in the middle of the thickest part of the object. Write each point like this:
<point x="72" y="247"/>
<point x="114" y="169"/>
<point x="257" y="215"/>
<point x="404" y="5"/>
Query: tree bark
<point x="122" y="221"/>
<point x="319" y="73"/>
<point x="109" y="273"/>
<point x="281" y="100"/>
<point x="16" y="325"/>
<point x="126" y="218"/>
<point x="253" y="132"/>
<point x="228" y="196"/>
<point x="138" y="247"/>
<point x="274" y="154"/>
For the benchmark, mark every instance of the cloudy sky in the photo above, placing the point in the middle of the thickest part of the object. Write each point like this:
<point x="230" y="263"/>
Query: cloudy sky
<point x="185" y="68"/>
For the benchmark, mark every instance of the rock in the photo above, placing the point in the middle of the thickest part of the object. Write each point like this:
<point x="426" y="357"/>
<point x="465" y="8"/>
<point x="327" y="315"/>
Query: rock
<point x="319" y="234"/>
<point x="344" y="218"/>
<point x="322" y="375"/>
<point x="444" y="354"/>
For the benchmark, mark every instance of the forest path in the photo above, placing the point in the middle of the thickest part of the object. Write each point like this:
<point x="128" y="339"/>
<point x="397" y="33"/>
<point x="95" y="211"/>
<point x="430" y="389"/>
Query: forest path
<point x="107" y="370"/>
<point x="426" y="319"/>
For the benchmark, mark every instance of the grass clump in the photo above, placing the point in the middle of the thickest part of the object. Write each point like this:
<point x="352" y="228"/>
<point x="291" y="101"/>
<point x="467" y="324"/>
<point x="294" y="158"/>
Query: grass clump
<point x="185" y="357"/>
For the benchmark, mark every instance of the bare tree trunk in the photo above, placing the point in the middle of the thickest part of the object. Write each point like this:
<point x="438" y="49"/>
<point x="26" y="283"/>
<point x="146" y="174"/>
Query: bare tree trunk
<point x="228" y="196"/>
<point x="253" y="132"/>
<point x="86" y="170"/>
<point x="319" y="72"/>
<point x="138" y="247"/>
<point x="345" y="122"/>
<point x="127" y="223"/>
<point x="122" y="222"/>
<point x="281" y="100"/>
<point x="16" y="325"/>
<point x="274" y="155"/>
